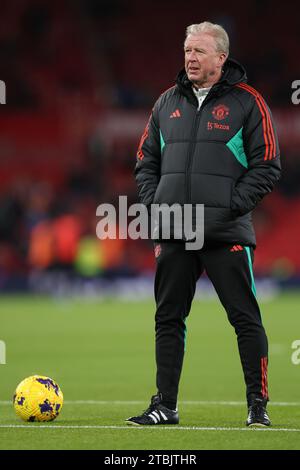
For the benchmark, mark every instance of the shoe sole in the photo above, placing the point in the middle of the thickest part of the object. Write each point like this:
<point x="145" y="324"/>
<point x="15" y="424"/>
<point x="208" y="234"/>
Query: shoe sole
<point x="131" y="423"/>
<point x="258" y="425"/>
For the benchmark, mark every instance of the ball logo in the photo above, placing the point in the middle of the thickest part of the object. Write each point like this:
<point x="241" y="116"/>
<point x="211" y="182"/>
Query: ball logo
<point x="220" y="112"/>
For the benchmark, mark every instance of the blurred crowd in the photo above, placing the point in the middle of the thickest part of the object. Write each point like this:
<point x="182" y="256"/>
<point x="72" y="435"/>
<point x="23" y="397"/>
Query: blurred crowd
<point x="77" y="73"/>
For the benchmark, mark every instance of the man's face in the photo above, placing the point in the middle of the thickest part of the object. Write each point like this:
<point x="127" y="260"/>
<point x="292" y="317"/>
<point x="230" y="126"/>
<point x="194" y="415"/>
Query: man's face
<point x="203" y="64"/>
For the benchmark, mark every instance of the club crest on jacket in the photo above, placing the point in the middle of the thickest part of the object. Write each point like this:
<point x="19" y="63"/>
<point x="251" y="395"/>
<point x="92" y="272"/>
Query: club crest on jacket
<point x="220" y="112"/>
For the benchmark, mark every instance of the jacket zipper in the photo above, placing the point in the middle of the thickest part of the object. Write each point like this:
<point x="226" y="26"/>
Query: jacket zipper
<point x="188" y="176"/>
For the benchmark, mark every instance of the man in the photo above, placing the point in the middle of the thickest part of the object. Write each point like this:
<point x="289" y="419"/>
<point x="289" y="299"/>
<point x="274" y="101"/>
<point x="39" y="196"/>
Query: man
<point x="210" y="140"/>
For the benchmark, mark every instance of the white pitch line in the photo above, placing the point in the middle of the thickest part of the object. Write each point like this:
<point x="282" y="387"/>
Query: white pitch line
<point x="183" y="402"/>
<point x="160" y="428"/>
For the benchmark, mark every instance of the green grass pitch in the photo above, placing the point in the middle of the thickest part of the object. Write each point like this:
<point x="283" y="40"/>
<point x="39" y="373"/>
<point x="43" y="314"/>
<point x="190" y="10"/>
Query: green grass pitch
<point x="102" y="355"/>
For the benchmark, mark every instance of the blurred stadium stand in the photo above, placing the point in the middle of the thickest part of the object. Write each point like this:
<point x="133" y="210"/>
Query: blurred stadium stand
<point x="81" y="79"/>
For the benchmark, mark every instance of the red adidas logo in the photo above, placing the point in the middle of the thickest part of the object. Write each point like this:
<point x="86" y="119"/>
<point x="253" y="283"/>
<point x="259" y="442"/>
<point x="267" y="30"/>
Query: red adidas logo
<point x="237" y="248"/>
<point x="176" y="114"/>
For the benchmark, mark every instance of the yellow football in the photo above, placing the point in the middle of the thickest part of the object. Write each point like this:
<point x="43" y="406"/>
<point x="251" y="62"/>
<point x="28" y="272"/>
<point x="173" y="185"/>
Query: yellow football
<point x="38" y="398"/>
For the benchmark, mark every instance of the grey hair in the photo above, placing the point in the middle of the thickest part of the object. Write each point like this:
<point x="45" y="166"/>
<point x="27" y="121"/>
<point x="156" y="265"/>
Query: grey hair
<point x="215" y="30"/>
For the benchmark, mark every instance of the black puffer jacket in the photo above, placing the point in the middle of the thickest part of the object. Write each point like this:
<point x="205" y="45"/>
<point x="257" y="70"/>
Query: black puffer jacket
<point x="225" y="155"/>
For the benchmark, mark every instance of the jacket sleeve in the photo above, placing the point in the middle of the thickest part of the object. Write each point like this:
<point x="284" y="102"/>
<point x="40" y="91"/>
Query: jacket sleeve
<point x="147" y="169"/>
<point x="262" y="151"/>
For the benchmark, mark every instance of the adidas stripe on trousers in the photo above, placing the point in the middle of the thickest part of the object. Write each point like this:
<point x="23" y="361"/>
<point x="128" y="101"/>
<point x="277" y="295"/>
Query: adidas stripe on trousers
<point x="230" y="271"/>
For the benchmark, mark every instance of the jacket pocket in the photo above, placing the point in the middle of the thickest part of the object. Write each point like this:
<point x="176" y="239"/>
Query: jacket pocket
<point x="170" y="189"/>
<point x="211" y="190"/>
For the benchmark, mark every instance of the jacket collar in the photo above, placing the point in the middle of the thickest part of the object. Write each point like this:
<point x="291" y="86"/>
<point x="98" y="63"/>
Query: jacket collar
<point x="233" y="73"/>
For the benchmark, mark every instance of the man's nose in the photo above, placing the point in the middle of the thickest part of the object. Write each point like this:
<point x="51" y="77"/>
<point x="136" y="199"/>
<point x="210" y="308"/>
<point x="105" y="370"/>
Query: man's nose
<point x="192" y="55"/>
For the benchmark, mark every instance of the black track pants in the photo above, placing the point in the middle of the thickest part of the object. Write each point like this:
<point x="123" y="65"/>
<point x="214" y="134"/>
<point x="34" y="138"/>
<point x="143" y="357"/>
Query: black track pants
<point x="230" y="270"/>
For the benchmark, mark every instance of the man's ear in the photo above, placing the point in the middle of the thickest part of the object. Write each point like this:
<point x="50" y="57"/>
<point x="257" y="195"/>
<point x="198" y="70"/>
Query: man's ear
<point x="222" y="59"/>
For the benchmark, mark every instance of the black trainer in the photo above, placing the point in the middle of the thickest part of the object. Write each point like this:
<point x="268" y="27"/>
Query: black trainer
<point x="257" y="413"/>
<point x="155" y="414"/>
